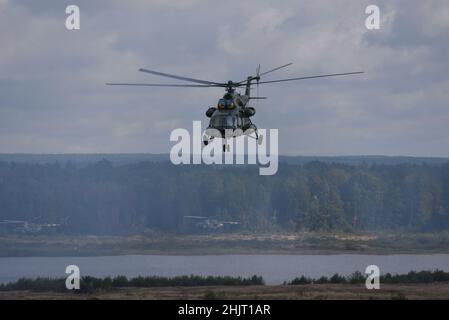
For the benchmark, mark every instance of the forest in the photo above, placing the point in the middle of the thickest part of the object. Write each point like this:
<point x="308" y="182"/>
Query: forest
<point x="103" y="198"/>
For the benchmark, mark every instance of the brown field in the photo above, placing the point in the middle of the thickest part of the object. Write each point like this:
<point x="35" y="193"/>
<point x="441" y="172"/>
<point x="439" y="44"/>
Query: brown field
<point x="283" y="292"/>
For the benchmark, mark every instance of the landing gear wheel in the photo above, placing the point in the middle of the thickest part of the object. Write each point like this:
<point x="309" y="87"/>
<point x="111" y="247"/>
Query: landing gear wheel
<point x="224" y="148"/>
<point x="228" y="148"/>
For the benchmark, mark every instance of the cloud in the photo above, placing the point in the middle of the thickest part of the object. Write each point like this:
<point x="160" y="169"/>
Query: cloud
<point x="53" y="97"/>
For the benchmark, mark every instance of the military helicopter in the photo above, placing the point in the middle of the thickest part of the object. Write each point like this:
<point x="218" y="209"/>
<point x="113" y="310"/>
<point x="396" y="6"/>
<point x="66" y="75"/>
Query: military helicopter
<point x="233" y="112"/>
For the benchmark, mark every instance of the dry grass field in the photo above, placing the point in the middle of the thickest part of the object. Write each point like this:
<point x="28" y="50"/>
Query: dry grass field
<point x="283" y="292"/>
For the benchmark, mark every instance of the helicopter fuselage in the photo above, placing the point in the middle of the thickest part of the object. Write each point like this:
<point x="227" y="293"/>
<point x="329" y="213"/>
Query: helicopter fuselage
<point x="231" y="117"/>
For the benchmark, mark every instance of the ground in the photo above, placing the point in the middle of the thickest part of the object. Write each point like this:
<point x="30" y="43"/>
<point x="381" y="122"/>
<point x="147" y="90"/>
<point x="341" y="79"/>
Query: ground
<point x="236" y="243"/>
<point x="283" y="292"/>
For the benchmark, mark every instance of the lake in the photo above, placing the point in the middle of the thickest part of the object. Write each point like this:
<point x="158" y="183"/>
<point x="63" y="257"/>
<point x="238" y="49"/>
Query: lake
<point x="275" y="269"/>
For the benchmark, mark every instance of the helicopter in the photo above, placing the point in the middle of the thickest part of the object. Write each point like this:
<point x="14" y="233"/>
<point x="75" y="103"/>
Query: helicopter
<point x="232" y="115"/>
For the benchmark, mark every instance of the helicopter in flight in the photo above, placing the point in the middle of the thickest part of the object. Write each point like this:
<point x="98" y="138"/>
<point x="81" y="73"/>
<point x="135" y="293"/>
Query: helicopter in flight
<point x="232" y="113"/>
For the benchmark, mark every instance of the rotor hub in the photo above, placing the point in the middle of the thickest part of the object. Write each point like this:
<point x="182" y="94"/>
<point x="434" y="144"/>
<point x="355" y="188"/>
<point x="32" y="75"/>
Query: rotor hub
<point x="230" y="86"/>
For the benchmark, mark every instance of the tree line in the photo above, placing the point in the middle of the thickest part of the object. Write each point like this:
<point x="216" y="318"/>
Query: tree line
<point x="102" y="198"/>
<point x="89" y="284"/>
<point x="359" y="278"/>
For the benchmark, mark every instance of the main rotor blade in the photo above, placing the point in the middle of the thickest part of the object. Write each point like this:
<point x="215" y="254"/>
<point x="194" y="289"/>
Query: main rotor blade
<point x="164" y="85"/>
<point x="275" y="69"/>
<point x="265" y="72"/>
<point x="178" y="77"/>
<point x="313" y="77"/>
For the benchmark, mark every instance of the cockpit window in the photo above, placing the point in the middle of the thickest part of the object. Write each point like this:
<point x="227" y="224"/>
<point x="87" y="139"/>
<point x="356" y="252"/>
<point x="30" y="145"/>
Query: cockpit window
<point x="225" y="104"/>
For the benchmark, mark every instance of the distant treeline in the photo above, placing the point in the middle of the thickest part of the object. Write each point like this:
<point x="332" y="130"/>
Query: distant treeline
<point x="101" y="198"/>
<point x="82" y="160"/>
<point x="91" y="284"/>
<point x="357" y="277"/>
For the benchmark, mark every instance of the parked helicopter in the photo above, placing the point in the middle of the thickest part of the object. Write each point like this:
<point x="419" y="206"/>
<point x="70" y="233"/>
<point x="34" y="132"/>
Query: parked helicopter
<point x="233" y="112"/>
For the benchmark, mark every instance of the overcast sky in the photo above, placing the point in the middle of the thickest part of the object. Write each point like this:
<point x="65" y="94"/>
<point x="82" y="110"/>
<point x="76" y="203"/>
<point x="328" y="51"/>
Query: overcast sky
<point x="53" y="98"/>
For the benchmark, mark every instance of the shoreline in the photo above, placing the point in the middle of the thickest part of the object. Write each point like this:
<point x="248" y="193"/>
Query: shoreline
<point x="243" y="253"/>
<point x="224" y="244"/>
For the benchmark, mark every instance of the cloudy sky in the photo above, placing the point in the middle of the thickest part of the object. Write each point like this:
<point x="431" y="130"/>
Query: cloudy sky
<point x="53" y="98"/>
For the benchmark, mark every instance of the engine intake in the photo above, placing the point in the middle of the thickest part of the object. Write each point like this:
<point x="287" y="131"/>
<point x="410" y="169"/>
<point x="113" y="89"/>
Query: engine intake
<point x="210" y="112"/>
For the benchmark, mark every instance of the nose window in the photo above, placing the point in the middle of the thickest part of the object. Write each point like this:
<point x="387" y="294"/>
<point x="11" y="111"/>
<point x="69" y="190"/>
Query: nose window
<point x="221" y="104"/>
<point x="225" y="104"/>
